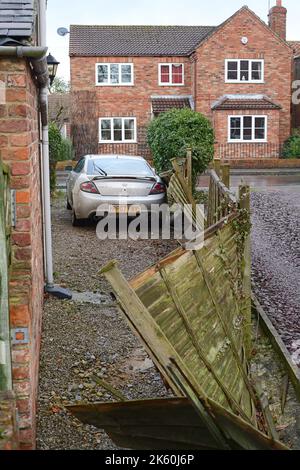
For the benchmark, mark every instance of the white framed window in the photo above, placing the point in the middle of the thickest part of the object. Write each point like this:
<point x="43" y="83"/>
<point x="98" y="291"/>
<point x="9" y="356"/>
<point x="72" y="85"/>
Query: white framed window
<point x="247" y="128"/>
<point x="244" y="71"/>
<point x="114" y="74"/>
<point x="171" y="74"/>
<point x="117" y="130"/>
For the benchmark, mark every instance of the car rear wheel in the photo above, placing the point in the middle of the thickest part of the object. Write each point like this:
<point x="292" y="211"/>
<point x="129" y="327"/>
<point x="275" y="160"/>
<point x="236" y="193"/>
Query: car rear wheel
<point x="76" y="222"/>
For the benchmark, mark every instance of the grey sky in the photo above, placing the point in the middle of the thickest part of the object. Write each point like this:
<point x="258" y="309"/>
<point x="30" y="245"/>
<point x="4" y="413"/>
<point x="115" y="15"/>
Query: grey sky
<point x="187" y="12"/>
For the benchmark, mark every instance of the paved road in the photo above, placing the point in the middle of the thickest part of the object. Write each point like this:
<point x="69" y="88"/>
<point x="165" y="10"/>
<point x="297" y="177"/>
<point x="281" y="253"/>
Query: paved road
<point x="267" y="182"/>
<point x="276" y="260"/>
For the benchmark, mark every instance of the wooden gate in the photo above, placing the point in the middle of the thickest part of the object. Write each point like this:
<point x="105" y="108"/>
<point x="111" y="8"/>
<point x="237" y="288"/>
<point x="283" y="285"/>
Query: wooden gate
<point x="5" y="230"/>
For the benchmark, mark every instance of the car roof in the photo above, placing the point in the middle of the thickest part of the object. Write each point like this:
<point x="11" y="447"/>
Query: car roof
<point x="114" y="157"/>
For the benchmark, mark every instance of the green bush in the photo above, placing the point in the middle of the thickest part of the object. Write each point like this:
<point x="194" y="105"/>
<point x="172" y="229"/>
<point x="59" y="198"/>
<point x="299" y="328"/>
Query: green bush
<point x="291" y="148"/>
<point x="66" y="150"/>
<point x="60" y="149"/>
<point x="55" y="142"/>
<point x="170" y="134"/>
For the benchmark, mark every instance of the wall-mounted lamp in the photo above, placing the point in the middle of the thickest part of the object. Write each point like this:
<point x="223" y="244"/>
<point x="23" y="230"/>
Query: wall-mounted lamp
<point x="52" y="67"/>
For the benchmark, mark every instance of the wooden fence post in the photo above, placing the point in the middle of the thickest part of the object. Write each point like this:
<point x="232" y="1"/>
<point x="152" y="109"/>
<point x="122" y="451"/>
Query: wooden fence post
<point x="225" y="174"/>
<point x="189" y="167"/>
<point x="244" y="198"/>
<point x="217" y="166"/>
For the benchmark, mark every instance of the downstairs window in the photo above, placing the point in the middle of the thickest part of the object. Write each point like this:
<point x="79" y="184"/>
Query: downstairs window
<point x="117" y="130"/>
<point x="247" y="129"/>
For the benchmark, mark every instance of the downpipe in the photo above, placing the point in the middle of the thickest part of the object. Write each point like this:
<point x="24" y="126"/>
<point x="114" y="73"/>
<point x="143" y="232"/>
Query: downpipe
<point x="50" y="287"/>
<point x="46" y="194"/>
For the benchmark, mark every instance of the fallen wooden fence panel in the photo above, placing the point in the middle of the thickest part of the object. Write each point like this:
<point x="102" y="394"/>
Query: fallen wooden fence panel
<point x="170" y="423"/>
<point x="192" y="312"/>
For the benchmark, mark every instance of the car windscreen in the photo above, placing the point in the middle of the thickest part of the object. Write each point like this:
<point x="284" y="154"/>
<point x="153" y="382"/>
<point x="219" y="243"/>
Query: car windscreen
<point x="118" y="167"/>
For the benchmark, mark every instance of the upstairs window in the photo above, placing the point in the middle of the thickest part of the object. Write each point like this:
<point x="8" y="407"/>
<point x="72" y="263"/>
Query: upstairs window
<point x="114" y="74"/>
<point x="239" y="70"/>
<point x="171" y="74"/>
<point x="114" y="130"/>
<point x="247" y="129"/>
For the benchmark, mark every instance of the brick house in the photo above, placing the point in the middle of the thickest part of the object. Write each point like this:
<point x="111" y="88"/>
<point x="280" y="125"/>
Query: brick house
<point x="238" y="74"/>
<point x="23" y="74"/>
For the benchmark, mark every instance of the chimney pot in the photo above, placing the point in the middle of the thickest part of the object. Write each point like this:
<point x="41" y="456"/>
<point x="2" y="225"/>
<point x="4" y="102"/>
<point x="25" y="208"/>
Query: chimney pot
<point x="277" y="19"/>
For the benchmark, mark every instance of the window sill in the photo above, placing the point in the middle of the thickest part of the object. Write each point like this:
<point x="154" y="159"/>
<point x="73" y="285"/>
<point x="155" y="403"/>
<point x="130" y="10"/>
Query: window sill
<point x="118" y="142"/>
<point x="247" y="141"/>
<point x="114" y="86"/>
<point x="246" y="82"/>
<point x="171" y="84"/>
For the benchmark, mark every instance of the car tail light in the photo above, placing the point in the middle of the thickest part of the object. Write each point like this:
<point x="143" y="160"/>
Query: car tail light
<point x="158" y="188"/>
<point x="89" y="187"/>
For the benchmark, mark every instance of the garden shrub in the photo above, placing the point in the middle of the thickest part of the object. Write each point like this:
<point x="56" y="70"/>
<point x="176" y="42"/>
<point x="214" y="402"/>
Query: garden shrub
<point x="170" y="134"/>
<point x="60" y="149"/>
<point x="291" y="148"/>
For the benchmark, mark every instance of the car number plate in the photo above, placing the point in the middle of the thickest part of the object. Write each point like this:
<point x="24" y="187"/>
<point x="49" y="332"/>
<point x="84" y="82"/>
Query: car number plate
<point x="123" y="209"/>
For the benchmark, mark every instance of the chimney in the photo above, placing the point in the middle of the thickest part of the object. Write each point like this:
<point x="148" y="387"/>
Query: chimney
<point x="277" y="19"/>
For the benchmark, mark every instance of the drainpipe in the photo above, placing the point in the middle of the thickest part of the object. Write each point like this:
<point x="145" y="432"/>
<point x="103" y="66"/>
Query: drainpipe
<point x="50" y="287"/>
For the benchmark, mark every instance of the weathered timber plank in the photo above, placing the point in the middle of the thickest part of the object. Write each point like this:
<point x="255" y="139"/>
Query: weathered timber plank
<point x="182" y="311"/>
<point x="5" y="364"/>
<point x="244" y="202"/>
<point x="278" y="344"/>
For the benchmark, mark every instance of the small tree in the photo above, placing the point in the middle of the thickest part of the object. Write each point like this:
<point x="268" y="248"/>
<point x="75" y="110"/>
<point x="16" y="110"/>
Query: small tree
<point x="60" y="85"/>
<point x="84" y="123"/>
<point x="55" y="139"/>
<point x="60" y="149"/>
<point x="170" y="134"/>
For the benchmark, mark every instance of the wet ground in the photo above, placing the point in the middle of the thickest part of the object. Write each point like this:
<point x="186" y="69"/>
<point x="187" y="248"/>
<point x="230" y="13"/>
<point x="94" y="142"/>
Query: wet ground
<point x="87" y="339"/>
<point x="269" y="372"/>
<point x="276" y="261"/>
<point x="266" y="182"/>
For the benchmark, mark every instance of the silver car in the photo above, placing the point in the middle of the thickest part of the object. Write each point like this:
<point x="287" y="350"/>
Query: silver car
<point x="116" y="181"/>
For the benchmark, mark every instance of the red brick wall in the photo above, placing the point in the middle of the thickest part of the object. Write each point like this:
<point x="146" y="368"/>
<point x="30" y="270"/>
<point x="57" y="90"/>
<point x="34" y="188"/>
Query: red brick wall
<point x="122" y="101"/>
<point x="262" y="44"/>
<point x="19" y="144"/>
<point x="246" y="150"/>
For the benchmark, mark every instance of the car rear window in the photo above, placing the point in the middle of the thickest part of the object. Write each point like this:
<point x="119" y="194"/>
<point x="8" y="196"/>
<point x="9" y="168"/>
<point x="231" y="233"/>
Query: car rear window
<point x="119" y="167"/>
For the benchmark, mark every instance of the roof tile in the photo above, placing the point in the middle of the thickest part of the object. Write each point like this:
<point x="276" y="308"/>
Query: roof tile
<point x="164" y="104"/>
<point x="136" y="40"/>
<point x="243" y="102"/>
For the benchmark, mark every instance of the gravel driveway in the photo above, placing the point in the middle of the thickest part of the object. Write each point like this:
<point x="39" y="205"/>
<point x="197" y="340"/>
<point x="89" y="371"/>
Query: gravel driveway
<point x="276" y="261"/>
<point x="88" y="337"/>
